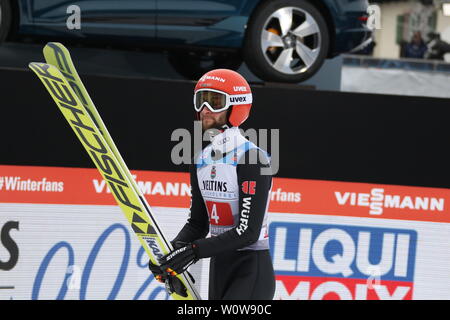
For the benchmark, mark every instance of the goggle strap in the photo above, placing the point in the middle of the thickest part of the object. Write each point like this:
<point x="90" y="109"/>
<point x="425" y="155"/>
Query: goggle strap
<point x="231" y="100"/>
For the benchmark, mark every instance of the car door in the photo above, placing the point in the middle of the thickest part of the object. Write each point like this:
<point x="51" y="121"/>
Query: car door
<point x="118" y="18"/>
<point x="199" y="22"/>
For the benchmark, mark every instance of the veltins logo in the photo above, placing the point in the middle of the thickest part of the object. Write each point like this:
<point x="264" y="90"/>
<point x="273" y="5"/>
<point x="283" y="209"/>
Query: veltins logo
<point x="317" y="261"/>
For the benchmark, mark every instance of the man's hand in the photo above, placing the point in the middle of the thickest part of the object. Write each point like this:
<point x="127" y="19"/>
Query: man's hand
<point x="178" y="260"/>
<point x="172" y="284"/>
<point x="159" y="275"/>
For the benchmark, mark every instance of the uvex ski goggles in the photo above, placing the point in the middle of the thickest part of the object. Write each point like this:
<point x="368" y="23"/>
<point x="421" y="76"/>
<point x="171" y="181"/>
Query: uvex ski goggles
<point x="218" y="101"/>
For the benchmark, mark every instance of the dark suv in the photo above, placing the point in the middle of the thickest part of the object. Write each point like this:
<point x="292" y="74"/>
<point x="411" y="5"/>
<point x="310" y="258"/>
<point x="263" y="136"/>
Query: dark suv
<point x="280" y="40"/>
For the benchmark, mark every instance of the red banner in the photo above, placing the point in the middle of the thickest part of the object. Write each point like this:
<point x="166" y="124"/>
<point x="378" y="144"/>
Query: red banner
<point x="56" y="185"/>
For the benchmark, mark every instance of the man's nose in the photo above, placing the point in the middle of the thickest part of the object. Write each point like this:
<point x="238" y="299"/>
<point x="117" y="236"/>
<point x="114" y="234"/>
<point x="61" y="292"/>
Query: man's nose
<point x="205" y="110"/>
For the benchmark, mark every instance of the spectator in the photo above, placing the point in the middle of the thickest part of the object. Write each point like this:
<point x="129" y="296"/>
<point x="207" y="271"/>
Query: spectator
<point x="436" y="47"/>
<point x="416" y="48"/>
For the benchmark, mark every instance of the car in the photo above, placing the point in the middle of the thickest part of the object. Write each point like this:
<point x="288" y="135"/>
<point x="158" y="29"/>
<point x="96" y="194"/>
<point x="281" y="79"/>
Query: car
<point x="279" y="40"/>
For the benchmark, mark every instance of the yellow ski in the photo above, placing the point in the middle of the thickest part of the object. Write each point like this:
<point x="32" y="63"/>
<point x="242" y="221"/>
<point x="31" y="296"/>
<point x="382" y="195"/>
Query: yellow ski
<point x="71" y="97"/>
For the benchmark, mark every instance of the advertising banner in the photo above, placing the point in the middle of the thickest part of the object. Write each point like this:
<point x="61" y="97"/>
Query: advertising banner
<point x="63" y="237"/>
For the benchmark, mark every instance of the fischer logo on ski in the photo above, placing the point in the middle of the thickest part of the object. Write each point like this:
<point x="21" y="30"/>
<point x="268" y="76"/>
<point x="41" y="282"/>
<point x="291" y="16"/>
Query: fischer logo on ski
<point x="61" y="80"/>
<point x="96" y="147"/>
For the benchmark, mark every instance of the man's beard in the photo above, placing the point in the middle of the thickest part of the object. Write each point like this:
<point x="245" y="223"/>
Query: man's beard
<point x="213" y="124"/>
<point x="208" y="123"/>
<point x="214" y="129"/>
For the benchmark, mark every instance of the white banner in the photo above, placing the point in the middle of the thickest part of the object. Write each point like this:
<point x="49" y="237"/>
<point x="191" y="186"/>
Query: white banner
<point x="89" y="252"/>
<point x="328" y="239"/>
<point x="80" y="252"/>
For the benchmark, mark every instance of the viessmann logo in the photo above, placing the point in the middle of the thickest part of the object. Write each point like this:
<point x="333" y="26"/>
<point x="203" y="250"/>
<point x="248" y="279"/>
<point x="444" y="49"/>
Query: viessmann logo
<point x="150" y="188"/>
<point x="204" y="78"/>
<point x="377" y="200"/>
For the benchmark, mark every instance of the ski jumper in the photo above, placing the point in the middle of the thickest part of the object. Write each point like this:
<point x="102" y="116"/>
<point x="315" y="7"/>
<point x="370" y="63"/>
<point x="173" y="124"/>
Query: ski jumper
<point x="229" y="200"/>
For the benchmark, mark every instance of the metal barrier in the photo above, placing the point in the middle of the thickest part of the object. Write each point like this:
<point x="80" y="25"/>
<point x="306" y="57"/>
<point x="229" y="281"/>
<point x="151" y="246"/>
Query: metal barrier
<point x="404" y="63"/>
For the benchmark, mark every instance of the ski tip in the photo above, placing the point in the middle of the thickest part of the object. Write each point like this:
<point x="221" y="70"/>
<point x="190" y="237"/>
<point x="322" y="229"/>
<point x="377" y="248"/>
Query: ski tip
<point x="55" y="44"/>
<point x="51" y="43"/>
<point x="40" y="67"/>
<point x="54" y="51"/>
<point x="37" y="64"/>
<point x="47" y="47"/>
<point x="34" y="64"/>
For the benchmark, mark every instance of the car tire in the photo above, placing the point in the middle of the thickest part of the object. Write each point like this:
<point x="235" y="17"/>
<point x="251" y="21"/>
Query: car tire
<point x="286" y="41"/>
<point x="5" y="19"/>
<point x="192" y="65"/>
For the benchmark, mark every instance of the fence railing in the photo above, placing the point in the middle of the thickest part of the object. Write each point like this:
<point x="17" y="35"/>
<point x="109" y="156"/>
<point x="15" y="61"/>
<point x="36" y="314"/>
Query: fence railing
<point x="403" y="63"/>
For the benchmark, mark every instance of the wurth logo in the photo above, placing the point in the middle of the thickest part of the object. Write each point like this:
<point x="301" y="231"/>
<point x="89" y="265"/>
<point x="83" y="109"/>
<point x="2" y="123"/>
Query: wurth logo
<point x="377" y="200"/>
<point x="243" y="225"/>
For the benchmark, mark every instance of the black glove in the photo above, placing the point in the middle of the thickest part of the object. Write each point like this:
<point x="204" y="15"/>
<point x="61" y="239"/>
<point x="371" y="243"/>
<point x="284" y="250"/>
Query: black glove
<point x="177" y="244"/>
<point x="178" y="260"/>
<point x="157" y="272"/>
<point x="173" y="284"/>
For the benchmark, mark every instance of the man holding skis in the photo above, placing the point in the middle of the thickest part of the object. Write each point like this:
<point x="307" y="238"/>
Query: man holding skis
<point x="230" y="197"/>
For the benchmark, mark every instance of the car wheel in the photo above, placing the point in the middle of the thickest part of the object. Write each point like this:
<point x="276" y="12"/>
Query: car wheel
<point x="5" y="19"/>
<point x="286" y="41"/>
<point x="192" y="65"/>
